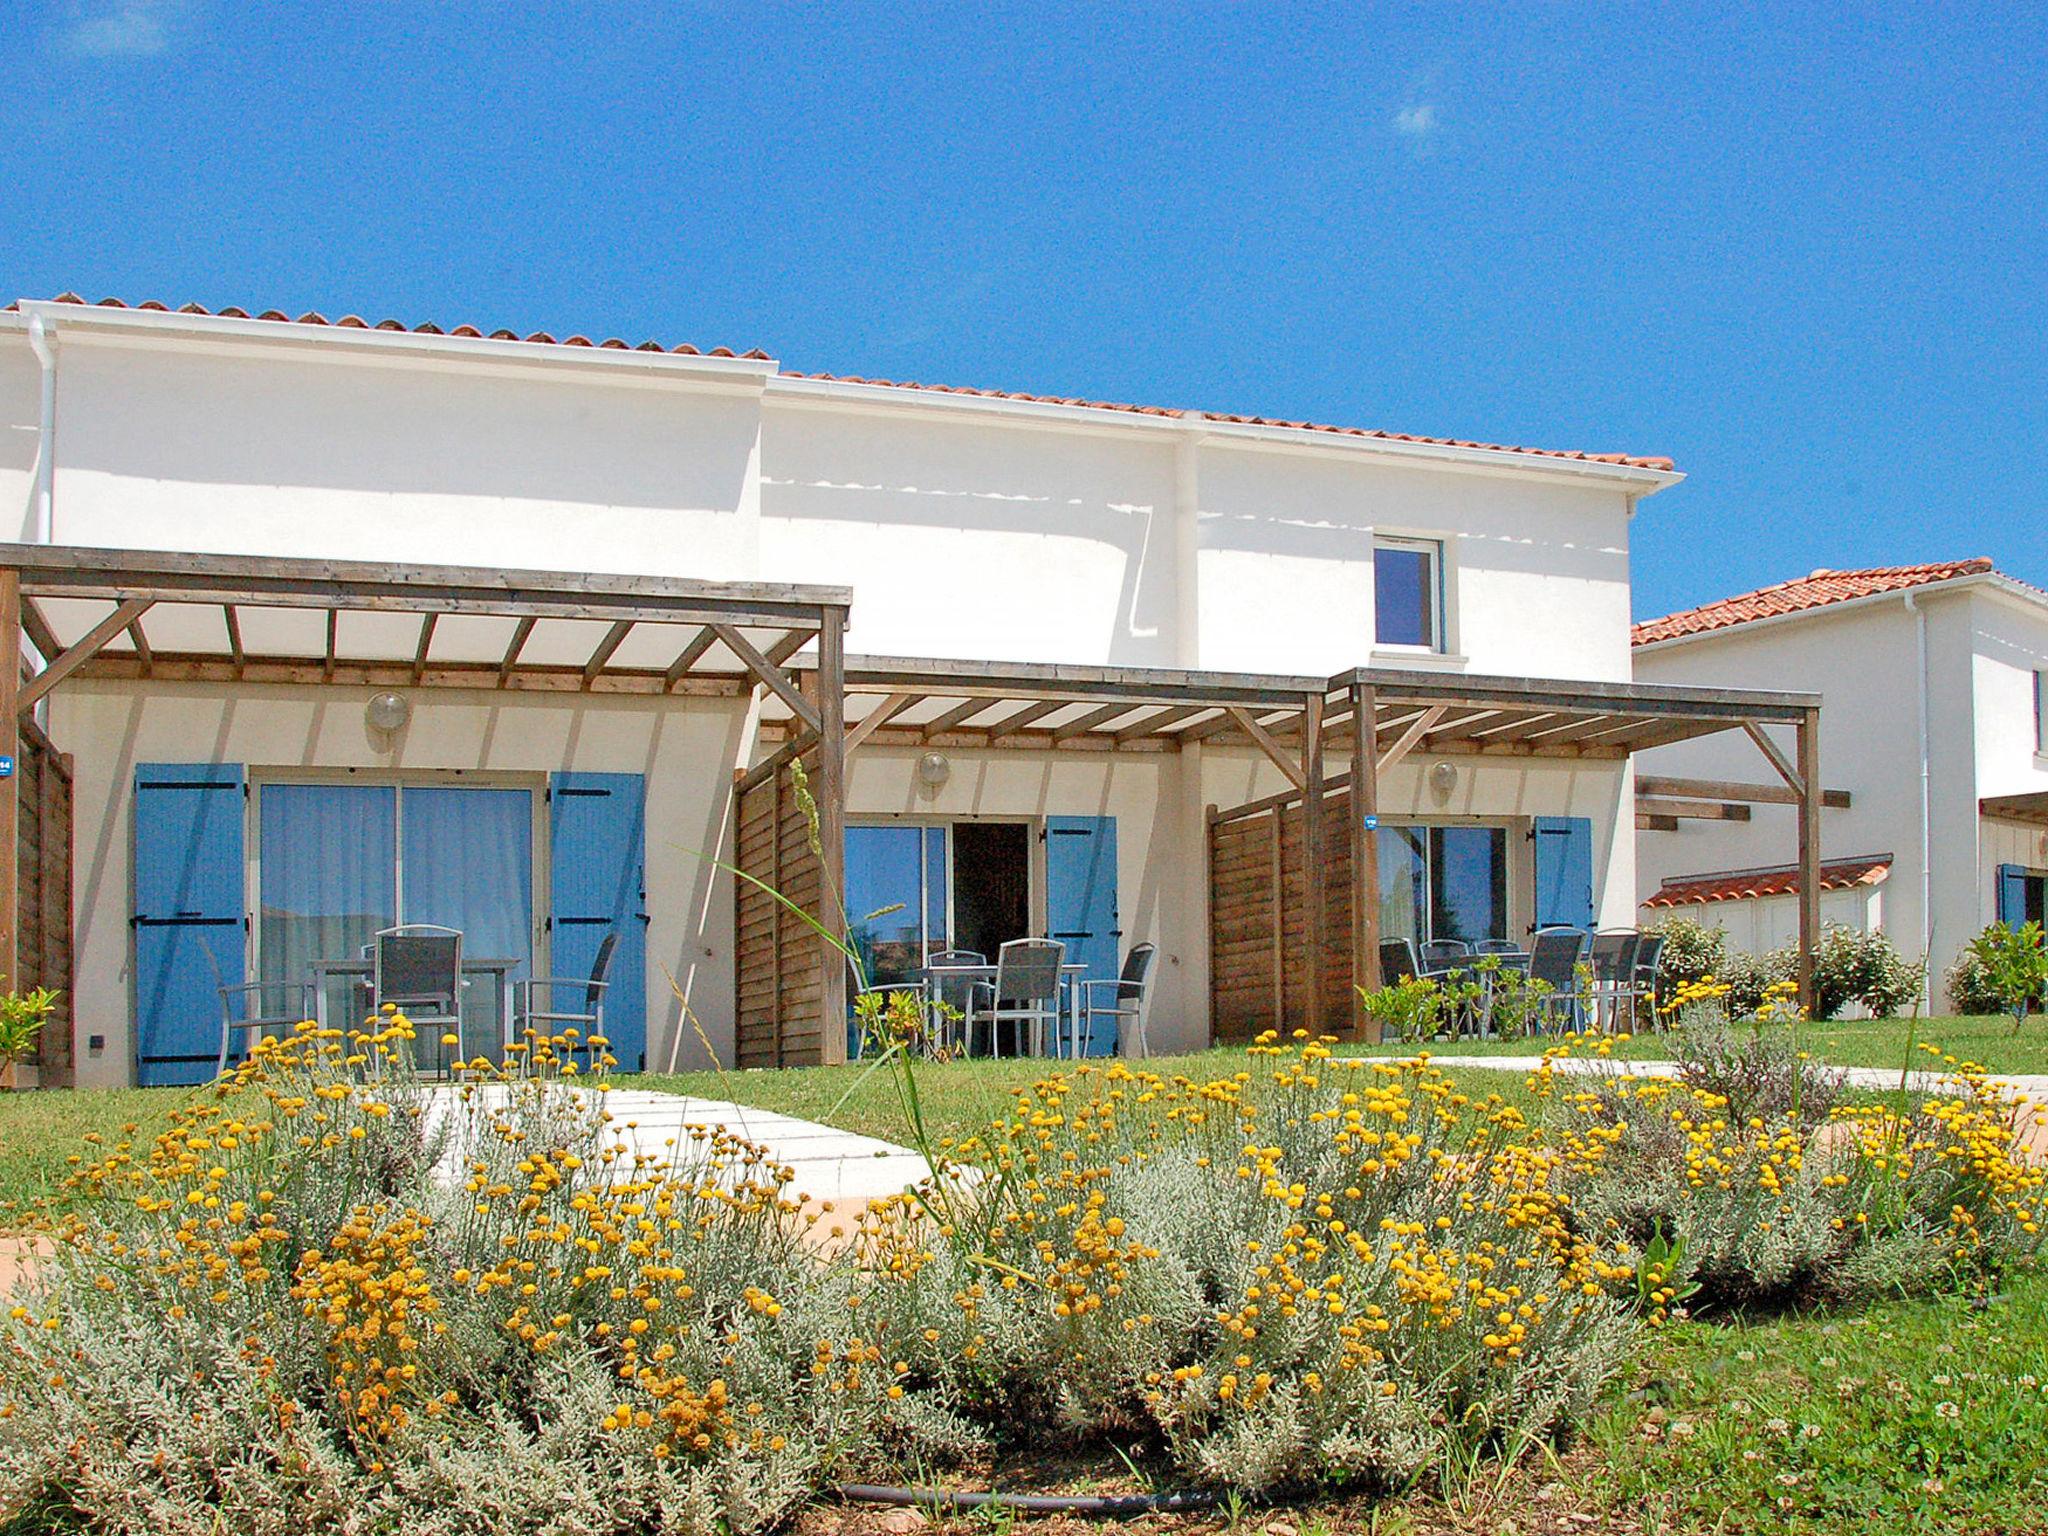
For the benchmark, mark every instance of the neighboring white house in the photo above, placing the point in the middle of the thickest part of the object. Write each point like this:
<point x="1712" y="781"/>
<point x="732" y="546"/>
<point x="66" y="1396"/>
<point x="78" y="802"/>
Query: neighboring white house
<point x="969" y="524"/>
<point x="1932" y="678"/>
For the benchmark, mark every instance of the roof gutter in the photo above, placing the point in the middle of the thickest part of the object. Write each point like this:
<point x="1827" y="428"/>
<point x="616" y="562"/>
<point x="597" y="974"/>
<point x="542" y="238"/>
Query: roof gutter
<point x="45" y="483"/>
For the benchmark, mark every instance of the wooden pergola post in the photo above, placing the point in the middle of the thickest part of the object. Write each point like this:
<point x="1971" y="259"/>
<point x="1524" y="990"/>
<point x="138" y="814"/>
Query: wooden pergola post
<point x="1313" y="855"/>
<point x="1809" y="851"/>
<point x="831" y="798"/>
<point x="1365" y="857"/>
<point x="10" y="786"/>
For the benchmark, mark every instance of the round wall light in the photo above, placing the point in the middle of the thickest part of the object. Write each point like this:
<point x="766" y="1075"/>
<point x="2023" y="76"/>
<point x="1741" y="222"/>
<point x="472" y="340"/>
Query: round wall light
<point x="1443" y="778"/>
<point x="387" y="711"/>
<point x="933" y="769"/>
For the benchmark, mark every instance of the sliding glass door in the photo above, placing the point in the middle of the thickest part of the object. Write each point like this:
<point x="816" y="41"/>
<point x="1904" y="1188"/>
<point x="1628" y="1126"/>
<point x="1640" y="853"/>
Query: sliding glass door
<point x="896" y="898"/>
<point x="1443" y="883"/>
<point x="340" y="861"/>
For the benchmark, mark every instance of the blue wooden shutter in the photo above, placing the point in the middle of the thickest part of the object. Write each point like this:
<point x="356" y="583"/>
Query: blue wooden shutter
<point x="188" y="915"/>
<point x="1564" y="871"/>
<point x="1080" y="902"/>
<point x="2012" y="895"/>
<point x="598" y="862"/>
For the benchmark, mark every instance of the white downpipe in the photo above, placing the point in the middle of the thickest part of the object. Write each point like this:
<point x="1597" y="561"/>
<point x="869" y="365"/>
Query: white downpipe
<point x="46" y="432"/>
<point x="1187" y="558"/>
<point x="1926" y="809"/>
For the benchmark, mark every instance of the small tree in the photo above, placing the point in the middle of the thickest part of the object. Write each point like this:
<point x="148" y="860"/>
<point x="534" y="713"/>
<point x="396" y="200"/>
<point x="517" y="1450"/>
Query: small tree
<point x="2015" y="967"/>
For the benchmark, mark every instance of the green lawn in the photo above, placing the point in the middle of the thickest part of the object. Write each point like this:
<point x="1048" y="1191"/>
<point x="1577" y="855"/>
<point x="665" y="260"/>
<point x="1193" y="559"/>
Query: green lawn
<point x="1989" y="1040"/>
<point x="1923" y="1416"/>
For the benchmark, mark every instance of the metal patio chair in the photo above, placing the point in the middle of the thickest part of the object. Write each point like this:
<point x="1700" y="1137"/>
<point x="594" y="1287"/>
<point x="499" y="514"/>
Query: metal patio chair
<point x="253" y="1007"/>
<point x="1614" y="976"/>
<point x="1554" y="958"/>
<point x="417" y="968"/>
<point x="549" y="1017"/>
<point x="1443" y="954"/>
<point x="1118" y="998"/>
<point x="1025" y="994"/>
<point x="1644" y="981"/>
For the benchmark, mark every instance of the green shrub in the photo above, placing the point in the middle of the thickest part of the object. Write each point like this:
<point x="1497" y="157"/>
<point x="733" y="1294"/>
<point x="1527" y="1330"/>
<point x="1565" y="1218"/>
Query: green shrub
<point x="1692" y="952"/>
<point x="1856" y="965"/>
<point x="1968" y="987"/>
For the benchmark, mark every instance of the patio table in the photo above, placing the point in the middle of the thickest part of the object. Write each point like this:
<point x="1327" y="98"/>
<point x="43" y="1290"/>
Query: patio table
<point x="358" y="969"/>
<point x="1072" y="972"/>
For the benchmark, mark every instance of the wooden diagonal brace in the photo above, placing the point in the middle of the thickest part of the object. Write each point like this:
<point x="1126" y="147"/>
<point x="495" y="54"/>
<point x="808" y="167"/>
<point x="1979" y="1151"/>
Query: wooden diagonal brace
<point x="1417" y="729"/>
<point x="777" y="681"/>
<point x="1263" y="740"/>
<point x="1776" y="754"/>
<point x="94" y="640"/>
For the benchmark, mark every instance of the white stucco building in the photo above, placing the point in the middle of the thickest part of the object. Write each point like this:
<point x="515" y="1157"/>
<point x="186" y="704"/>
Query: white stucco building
<point x="1933" y="682"/>
<point x="967" y="525"/>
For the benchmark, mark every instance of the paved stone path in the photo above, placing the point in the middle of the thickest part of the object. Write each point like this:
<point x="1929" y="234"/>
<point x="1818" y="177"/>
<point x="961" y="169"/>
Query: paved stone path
<point x="833" y="1168"/>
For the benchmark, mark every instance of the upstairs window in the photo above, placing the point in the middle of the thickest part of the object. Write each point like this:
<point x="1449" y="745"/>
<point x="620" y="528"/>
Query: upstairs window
<point x="1407" y="584"/>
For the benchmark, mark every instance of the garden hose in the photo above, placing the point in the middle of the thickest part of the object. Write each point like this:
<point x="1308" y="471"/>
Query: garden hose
<point x="1110" y="1506"/>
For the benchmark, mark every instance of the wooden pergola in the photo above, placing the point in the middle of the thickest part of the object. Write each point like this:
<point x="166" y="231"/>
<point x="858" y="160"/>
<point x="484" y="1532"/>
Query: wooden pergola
<point x="172" y="617"/>
<point x="1369" y="719"/>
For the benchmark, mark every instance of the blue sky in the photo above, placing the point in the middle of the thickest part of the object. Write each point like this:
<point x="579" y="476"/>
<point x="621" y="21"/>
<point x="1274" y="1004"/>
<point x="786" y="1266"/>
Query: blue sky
<point x="1803" y="254"/>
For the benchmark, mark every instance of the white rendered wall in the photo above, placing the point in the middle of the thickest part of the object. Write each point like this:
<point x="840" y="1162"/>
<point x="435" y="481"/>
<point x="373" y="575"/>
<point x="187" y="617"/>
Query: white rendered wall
<point x="1863" y="662"/>
<point x="1760" y="924"/>
<point x="20" y="414"/>
<point x="987" y="533"/>
<point x="686" y="750"/>
<point x="2010" y="643"/>
<point x="1537" y="572"/>
<point x="259" y="451"/>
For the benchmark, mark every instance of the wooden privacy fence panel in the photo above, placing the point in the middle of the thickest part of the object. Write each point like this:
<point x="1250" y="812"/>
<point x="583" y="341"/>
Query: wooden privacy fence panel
<point x="1259" y="890"/>
<point x="43" y="892"/>
<point x="778" y="991"/>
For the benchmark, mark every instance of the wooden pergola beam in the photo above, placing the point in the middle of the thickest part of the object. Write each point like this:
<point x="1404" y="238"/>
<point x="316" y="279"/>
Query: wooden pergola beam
<point x="1691" y="810"/>
<point x="1775" y="756"/>
<point x="231" y="621"/>
<point x="788" y="645"/>
<point x="1156" y="722"/>
<point x="1014" y="725"/>
<point x="876" y="718"/>
<point x="521" y="633"/>
<point x="1722" y="789"/>
<point x="1085" y="724"/>
<point x="606" y="649"/>
<point x="1807" y="746"/>
<point x="68" y="661"/>
<point x="426" y="643"/>
<point x="689" y="656"/>
<point x="939" y="724"/>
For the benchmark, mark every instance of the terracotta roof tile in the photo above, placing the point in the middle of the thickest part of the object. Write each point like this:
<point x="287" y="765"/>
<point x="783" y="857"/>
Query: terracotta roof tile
<point x="356" y="322"/>
<point x="1632" y="460"/>
<point x="1743" y="884"/>
<point x="426" y="328"/>
<point x="1816" y="590"/>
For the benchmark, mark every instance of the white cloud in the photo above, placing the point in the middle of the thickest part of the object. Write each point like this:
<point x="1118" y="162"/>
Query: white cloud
<point x="122" y="29"/>
<point x="1416" y="122"/>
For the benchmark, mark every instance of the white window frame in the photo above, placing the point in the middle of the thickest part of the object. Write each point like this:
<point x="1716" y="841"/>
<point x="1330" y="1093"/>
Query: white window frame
<point x="1437" y="550"/>
<point x="2041" y="711"/>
